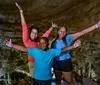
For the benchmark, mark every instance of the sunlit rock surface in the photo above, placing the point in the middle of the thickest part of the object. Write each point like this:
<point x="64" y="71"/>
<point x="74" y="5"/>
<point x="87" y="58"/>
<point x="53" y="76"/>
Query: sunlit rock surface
<point x="75" y="14"/>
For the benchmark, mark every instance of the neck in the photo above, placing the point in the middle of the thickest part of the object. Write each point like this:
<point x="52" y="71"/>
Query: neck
<point x="45" y="49"/>
<point x="59" y="38"/>
<point x="35" y="40"/>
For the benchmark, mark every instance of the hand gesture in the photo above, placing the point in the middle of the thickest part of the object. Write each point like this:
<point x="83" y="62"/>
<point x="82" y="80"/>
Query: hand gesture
<point x="20" y="9"/>
<point x="98" y="25"/>
<point x="77" y="43"/>
<point x="53" y="25"/>
<point x="8" y="43"/>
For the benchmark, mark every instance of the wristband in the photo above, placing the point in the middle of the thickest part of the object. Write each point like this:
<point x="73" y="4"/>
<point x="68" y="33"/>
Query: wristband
<point x="11" y="46"/>
<point x="96" y="26"/>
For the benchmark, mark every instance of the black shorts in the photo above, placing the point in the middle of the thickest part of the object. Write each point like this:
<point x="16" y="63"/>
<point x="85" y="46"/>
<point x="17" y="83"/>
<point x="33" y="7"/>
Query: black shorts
<point x="42" y="82"/>
<point x="64" y="65"/>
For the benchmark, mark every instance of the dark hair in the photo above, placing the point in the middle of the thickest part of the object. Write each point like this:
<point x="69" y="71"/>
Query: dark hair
<point x="45" y="38"/>
<point x="30" y="29"/>
<point x="33" y="27"/>
<point x="64" y="39"/>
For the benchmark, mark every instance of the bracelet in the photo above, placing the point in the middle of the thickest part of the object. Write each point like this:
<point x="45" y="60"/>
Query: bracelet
<point x="96" y="26"/>
<point x="12" y="45"/>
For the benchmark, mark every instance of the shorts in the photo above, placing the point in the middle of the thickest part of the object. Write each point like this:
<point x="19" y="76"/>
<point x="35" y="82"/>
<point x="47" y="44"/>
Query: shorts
<point x="42" y="82"/>
<point x="64" y="65"/>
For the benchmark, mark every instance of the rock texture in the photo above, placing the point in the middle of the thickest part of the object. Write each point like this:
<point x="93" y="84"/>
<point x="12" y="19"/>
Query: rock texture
<point x="75" y="14"/>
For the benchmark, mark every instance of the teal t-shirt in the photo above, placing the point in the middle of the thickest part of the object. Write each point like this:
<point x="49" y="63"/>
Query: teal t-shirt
<point x="59" y="44"/>
<point x="43" y="62"/>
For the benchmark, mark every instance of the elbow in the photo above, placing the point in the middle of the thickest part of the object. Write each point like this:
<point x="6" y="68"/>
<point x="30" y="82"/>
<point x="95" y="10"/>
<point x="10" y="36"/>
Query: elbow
<point x="24" y="49"/>
<point x="25" y="43"/>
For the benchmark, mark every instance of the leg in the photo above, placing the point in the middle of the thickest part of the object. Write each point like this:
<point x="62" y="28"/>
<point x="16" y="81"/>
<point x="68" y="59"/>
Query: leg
<point x="31" y="67"/>
<point x="68" y="77"/>
<point x="66" y="66"/>
<point x="58" y="75"/>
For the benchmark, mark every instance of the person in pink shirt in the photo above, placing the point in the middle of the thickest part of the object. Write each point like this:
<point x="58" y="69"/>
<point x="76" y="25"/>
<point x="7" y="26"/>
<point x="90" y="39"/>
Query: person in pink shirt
<point x="30" y="37"/>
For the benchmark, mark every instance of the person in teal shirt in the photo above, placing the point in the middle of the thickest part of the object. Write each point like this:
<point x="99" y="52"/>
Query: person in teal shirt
<point x="43" y="59"/>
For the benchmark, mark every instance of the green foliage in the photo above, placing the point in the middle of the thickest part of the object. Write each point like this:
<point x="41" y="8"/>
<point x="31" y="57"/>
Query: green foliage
<point x="86" y="59"/>
<point x="12" y="59"/>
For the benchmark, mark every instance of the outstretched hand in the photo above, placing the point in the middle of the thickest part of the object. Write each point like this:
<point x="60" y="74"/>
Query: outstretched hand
<point x="8" y="43"/>
<point x="53" y="25"/>
<point x="98" y="25"/>
<point x="19" y="7"/>
<point x="77" y="43"/>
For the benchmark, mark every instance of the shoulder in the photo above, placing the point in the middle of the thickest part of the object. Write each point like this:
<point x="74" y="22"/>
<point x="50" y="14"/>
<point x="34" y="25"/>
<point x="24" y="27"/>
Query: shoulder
<point x="69" y="35"/>
<point x="32" y="49"/>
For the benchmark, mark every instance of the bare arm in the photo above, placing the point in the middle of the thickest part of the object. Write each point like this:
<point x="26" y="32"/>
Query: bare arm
<point x="85" y="31"/>
<point x="67" y="48"/>
<point x="25" y="36"/>
<point x="21" y="14"/>
<point x="47" y="33"/>
<point x="75" y="45"/>
<point x="18" y="47"/>
<point x="53" y="25"/>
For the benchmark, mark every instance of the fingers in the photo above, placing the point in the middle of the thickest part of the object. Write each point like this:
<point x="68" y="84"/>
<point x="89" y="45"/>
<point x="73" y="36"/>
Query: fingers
<point x="10" y="41"/>
<point x="16" y="4"/>
<point x="77" y="43"/>
<point x="54" y="25"/>
<point x="98" y="24"/>
<point x="19" y="7"/>
<point x="5" y="41"/>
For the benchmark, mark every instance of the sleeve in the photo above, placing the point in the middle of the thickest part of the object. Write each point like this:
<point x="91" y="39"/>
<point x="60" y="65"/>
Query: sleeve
<point x="30" y="51"/>
<point x="69" y="39"/>
<point x="46" y="34"/>
<point x="30" y="58"/>
<point x="57" y="52"/>
<point x="25" y="37"/>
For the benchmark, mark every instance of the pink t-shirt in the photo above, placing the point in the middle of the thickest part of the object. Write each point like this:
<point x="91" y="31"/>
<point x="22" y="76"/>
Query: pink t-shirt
<point x="28" y="43"/>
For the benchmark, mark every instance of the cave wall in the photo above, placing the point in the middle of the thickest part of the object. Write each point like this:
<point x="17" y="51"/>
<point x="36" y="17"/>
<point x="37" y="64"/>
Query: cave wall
<point x="75" y="14"/>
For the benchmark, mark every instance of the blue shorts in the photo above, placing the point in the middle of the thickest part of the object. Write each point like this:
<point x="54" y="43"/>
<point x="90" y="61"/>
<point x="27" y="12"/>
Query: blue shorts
<point x="64" y="65"/>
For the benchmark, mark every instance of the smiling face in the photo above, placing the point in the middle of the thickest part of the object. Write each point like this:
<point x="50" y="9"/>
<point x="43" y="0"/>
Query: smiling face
<point x="34" y="34"/>
<point x="43" y="43"/>
<point x="62" y="32"/>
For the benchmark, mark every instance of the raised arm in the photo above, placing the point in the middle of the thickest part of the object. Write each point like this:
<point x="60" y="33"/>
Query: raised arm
<point x="17" y="47"/>
<point x="75" y="45"/>
<point x="21" y="14"/>
<point x="85" y="31"/>
<point x="25" y="36"/>
<point x="47" y="33"/>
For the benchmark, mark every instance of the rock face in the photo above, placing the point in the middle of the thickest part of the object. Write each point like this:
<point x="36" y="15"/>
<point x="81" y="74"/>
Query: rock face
<point x="75" y="14"/>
